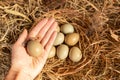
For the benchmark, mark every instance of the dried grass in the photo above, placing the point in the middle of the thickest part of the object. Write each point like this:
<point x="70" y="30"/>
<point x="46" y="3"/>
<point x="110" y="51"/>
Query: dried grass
<point x="96" y="21"/>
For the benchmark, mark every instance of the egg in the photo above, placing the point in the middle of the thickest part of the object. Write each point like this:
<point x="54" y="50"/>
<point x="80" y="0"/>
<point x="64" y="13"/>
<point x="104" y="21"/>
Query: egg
<point x="75" y="54"/>
<point x="34" y="48"/>
<point x="58" y="29"/>
<point x="52" y="52"/>
<point x="59" y="39"/>
<point x="72" y="39"/>
<point x="62" y="51"/>
<point x="67" y="28"/>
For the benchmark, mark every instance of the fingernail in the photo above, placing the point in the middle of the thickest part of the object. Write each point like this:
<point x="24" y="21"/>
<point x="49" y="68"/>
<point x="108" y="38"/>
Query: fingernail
<point x="56" y="24"/>
<point x="46" y="19"/>
<point x="51" y="18"/>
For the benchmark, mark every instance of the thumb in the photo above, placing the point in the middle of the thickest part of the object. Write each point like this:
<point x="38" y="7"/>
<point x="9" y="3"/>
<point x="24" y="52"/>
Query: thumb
<point x="22" y="37"/>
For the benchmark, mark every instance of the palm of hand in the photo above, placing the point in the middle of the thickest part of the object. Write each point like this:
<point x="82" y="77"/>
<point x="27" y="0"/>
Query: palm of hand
<point x="21" y="60"/>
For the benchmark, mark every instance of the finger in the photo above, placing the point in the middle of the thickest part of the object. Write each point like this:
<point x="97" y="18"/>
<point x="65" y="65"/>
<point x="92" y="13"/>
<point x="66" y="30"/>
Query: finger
<point x="37" y="28"/>
<point x="49" y="33"/>
<point x="40" y="61"/>
<point x="22" y="37"/>
<point x="51" y="41"/>
<point x="47" y="47"/>
<point x="43" y="31"/>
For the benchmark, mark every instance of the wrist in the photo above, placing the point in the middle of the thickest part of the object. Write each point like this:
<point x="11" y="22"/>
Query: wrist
<point x="11" y="74"/>
<point x="23" y="76"/>
<point x="15" y="74"/>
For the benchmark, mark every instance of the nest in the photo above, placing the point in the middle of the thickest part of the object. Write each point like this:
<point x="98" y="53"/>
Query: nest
<point x="97" y="23"/>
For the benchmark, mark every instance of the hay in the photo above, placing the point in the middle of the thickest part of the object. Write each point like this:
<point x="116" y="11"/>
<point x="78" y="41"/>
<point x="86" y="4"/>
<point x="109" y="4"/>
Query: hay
<point x="96" y="21"/>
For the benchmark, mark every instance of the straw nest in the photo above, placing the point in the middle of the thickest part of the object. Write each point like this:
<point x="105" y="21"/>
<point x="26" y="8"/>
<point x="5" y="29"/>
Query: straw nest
<point x="96" y="21"/>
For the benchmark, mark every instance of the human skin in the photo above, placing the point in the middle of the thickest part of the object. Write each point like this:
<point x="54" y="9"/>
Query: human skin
<point x="24" y="66"/>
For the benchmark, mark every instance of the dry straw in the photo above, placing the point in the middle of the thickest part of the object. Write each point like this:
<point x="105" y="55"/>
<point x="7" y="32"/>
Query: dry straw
<point x="96" y="21"/>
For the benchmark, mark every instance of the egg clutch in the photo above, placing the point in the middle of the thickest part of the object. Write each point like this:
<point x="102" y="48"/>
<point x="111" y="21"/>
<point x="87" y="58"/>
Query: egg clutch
<point x="63" y="46"/>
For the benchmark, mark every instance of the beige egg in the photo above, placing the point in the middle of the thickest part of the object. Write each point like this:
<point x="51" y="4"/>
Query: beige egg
<point x="67" y="28"/>
<point x="62" y="51"/>
<point x="75" y="54"/>
<point x="72" y="39"/>
<point x="58" y="29"/>
<point x="34" y="48"/>
<point x="52" y="52"/>
<point x="59" y="39"/>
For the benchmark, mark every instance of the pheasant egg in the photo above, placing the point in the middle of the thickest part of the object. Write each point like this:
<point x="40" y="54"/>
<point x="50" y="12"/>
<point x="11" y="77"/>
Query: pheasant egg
<point x="67" y="28"/>
<point x="75" y="54"/>
<point x="59" y="39"/>
<point x="71" y="39"/>
<point x="34" y="48"/>
<point x="52" y="52"/>
<point x="62" y="51"/>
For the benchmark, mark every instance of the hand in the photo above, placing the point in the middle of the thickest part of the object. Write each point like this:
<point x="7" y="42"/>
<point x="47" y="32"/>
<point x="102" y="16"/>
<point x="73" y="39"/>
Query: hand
<point x="24" y="63"/>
